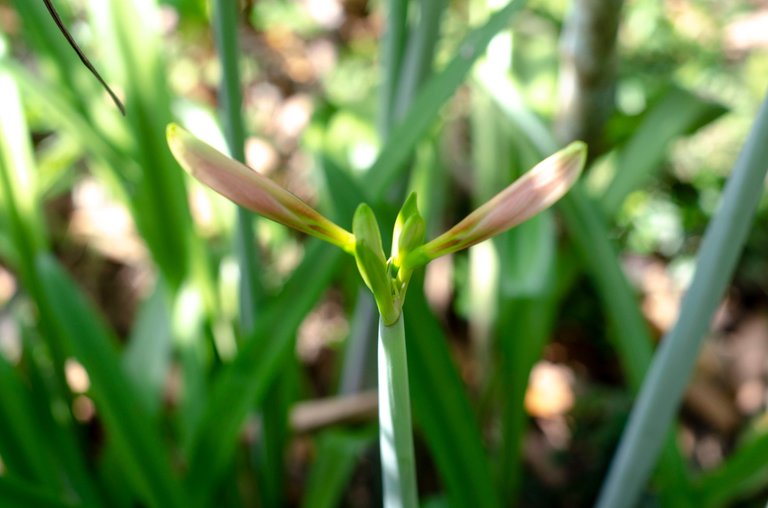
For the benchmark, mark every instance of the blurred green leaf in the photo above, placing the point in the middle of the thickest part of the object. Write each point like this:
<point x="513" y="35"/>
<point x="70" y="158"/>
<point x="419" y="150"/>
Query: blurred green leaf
<point x="142" y="456"/>
<point x="441" y="408"/>
<point x="23" y="452"/>
<point x="431" y="97"/>
<point x="16" y="493"/>
<point x="678" y="112"/>
<point x="337" y="453"/>
<point x="744" y="472"/>
<point x="159" y="196"/>
<point x="147" y="355"/>
<point x="241" y="385"/>
<point x="345" y="192"/>
<point x="662" y="390"/>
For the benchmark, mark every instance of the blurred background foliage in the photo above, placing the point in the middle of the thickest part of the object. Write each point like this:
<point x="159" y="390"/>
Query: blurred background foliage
<point x="134" y="371"/>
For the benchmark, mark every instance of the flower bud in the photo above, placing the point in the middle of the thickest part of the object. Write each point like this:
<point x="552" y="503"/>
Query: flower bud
<point x="535" y="191"/>
<point x="251" y="190"/>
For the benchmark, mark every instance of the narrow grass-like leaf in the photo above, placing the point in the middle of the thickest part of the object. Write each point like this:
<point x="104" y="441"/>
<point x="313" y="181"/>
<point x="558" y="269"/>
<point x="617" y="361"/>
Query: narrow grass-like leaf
<point x="744" y="471"/>
<point x="18" y="183"/>
<point x="529" y="253"/>
<point x="225" y="24"/>
<point x="159" y="196"/>
<point x="591" y="238"/>
<point x="677" y="113"/>
<point x="588" y="233"/>
<point x="345" y="192"/>
<point x="441" y="408"/>
<point x="270" y="451"/>
<point x="527" y="308"/>
<point x="393" y="46"/>
<point x="147" y="356"/>
<point x="431" y="97"/>
<point x="419" y="54"/>
<point x="241" y="385"/>
<point x="16" y="493"/>
<point x="27" y="455"/>
<point x="525" y="325"/>
<point x="669" y="374"/>
<point x="337" y="453"/>
<point x="142" y="456"/>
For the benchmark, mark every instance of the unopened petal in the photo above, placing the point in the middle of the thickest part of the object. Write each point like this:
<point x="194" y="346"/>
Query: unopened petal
<point x="251" y="190"/>
<point x="535" y="191"/>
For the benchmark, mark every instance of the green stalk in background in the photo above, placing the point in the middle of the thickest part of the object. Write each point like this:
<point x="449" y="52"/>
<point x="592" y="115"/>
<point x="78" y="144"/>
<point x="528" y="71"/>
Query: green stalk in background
<point x="670" y="371"/>
<point x="393" y="48"/>
<point x="419" y="54"/>
<point x="269" y="449"/>
<point x="225" y="16"/>
<point x="433" y="95"/>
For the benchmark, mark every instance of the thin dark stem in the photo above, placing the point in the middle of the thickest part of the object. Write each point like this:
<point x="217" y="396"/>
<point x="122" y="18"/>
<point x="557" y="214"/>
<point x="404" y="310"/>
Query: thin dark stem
<point x="83" y="58"/>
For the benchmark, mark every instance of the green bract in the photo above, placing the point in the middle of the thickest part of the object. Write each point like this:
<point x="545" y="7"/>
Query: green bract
<point x="387" y="279"/>
<point x="408" y="232"/>
<point x="371" y="262"/>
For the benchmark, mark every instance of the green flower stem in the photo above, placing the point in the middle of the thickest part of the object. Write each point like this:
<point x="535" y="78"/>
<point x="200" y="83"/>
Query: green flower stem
<point x="395" y="431"/>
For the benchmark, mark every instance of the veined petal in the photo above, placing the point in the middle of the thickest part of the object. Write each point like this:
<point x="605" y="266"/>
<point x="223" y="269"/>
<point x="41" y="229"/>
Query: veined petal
<point x="249" y="189"/>
<point x="535" y="191"/>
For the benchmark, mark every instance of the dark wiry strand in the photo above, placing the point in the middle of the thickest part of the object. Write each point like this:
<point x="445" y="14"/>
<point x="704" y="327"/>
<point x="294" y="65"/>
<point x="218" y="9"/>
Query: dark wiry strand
<point x="83" y="58"/>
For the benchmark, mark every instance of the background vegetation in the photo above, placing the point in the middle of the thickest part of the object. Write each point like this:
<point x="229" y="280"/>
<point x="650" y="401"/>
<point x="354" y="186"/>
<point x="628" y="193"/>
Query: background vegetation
<point x="160" y="348"/>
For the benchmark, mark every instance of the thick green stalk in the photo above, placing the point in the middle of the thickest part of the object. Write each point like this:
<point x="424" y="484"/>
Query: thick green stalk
<point x="670" y="371"/>
<point x="398" y="467"/>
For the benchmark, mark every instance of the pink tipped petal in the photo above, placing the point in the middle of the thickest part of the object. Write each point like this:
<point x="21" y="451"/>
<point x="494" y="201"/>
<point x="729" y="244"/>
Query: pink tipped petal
<point x="535" y="191"/>
<point x="251" y="190"/>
